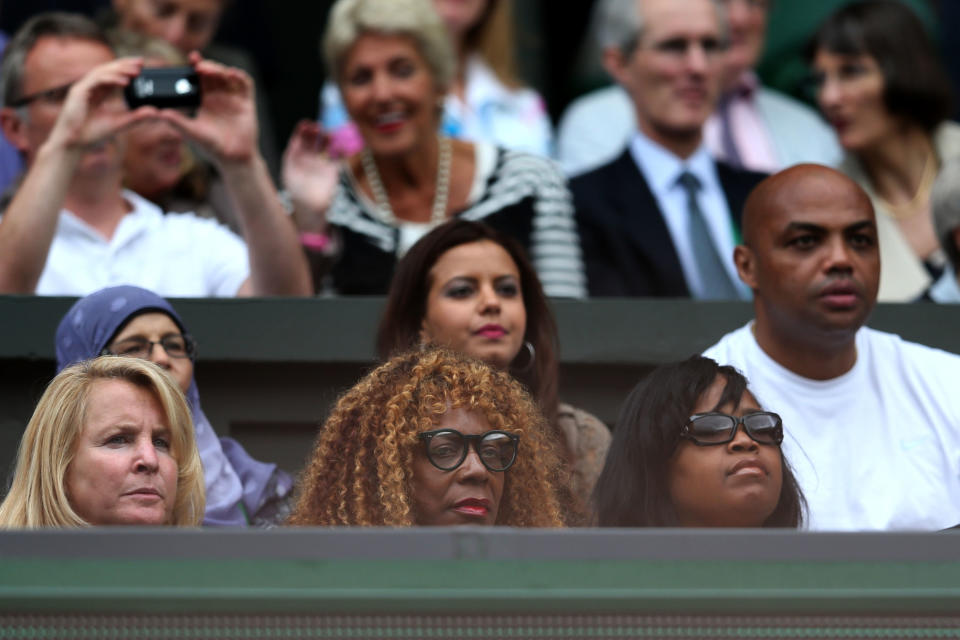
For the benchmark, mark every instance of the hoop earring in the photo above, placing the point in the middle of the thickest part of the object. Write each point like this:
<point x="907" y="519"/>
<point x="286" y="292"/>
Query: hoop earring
<point x="531" y="360"/>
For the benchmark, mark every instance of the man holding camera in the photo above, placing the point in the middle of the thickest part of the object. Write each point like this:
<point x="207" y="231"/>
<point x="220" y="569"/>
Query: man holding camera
<point x="71" y="229"/>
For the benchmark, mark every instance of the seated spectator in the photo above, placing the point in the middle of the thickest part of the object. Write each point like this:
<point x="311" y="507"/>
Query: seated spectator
<point x="190" y="25"/>
<point x="662" y="219"/>
<point x="70" y="229"/>
<point x="408" y="178"/>
<point x="468" y="287"/>
<point x="880" y="83"/>
<point x="10" y="163"/>
<point x="873" y="421"/>
<point x="485" y="101"/>
<point x="432" y="438"/>
<point x="693" y="448"/>
<point x="109" y="443"/>
<point x="753" y="127"/>
<point x="157" y="162"/>
<point x="130" y="321"/>
<point x="945" y="202"/>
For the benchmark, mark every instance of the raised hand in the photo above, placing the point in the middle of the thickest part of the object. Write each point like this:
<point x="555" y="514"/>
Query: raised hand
<point x="309" y="175"/>
<point x="226" y="122"/>
<point x="94" y="109"/>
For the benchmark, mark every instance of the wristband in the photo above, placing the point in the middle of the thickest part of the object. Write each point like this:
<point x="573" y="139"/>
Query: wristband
<point x="314" y="241"/>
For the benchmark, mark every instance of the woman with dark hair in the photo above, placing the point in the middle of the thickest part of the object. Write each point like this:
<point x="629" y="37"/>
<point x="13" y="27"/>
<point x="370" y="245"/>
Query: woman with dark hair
<point x="692" y="448"/>
<point x="880" y="83"/>
<point x="432" y="438"/>
<point x="469" y="287"/>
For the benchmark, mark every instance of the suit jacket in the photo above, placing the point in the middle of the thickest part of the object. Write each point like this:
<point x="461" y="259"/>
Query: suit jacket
<point x="627" y="248"/>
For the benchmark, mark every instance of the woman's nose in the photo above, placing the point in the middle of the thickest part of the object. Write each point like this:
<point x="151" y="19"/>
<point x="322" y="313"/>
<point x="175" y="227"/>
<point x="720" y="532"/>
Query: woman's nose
<point x="158" y="355"/>
<point x="147" y="460"/>
<point x="472" y="468"/>
<point x="742" y="440"/>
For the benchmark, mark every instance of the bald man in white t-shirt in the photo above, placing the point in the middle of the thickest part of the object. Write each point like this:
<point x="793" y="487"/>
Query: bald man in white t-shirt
<point x="872" y="422"/>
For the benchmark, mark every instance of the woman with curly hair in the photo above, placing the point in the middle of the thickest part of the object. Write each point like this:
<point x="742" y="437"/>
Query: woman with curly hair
<point x="469" y="287"/>
<point x="432" y="438"/>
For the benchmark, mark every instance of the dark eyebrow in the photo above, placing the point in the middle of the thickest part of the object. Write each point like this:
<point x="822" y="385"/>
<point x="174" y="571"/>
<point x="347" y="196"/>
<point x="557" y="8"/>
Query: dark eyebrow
<point x="861" y="226"/>
<point x="805" y="226"/>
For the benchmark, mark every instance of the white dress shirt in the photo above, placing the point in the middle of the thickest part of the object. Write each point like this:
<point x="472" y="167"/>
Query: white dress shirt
<point x="661" y="169"/>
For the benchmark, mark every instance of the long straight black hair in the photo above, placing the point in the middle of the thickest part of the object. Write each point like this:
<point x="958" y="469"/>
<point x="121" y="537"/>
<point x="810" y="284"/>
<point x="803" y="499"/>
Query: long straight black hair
<point x="633" y="489"/>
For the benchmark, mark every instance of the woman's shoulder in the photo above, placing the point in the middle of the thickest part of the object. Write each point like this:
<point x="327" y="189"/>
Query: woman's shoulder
<point x="584" y="431"/>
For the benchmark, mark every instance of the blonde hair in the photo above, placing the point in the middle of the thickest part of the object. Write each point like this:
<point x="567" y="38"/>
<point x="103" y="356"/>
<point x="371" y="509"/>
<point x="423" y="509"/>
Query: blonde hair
<point x="493" y="38"/>
<point x="38" y="495"/>
<point x="128" y="43"/>
<point x="361" y="472"/>
<point x="416" y="19"/>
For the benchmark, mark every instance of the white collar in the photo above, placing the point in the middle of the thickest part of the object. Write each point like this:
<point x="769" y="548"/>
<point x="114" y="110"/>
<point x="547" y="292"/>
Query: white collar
<point x="661" y="167"/>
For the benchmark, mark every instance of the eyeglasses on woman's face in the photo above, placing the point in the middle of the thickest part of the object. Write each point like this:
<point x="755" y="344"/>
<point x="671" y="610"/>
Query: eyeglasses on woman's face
<point x="177" y="345"/>
<point x="447" y="448"/>
<point x="706" y="429"/>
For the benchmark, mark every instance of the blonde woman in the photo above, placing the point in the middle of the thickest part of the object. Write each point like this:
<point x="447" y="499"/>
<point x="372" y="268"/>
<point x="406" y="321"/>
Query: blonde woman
<point x="110" y="442"/>
<point x="394" y="65"/>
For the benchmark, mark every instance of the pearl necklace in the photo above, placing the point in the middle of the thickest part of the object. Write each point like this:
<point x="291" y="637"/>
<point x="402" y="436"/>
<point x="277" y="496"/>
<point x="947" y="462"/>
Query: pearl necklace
<point x="439" y="212"/>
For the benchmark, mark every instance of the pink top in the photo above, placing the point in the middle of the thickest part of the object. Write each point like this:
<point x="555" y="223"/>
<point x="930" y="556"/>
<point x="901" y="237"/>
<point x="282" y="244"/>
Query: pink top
<point x="748" y="130"/>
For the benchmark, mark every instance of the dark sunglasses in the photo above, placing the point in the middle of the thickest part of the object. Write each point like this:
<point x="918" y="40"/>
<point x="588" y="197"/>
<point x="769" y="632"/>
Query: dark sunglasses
<point x="447" y="448"/>
<point x="707" y="429"/>
<point x="176" y="345"/>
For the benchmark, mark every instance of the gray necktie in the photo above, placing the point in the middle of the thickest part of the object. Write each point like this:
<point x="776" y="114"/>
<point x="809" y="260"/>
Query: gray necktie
<point x="716" y="283"/>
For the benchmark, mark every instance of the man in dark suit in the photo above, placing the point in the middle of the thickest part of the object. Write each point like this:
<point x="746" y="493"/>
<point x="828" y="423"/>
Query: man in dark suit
<point x="662" y="219"/>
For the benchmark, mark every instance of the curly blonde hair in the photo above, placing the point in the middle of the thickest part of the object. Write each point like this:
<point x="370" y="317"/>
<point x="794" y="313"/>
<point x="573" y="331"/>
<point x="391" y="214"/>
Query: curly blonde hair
<point x="361" y="472"/>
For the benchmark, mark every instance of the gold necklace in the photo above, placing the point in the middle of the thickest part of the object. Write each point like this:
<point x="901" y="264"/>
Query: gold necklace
<point x="910" y="209"/>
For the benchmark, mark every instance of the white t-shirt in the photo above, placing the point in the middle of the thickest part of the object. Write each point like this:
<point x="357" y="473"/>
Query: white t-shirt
<point x="173" y="255"/>
<point x="876" y="448"/>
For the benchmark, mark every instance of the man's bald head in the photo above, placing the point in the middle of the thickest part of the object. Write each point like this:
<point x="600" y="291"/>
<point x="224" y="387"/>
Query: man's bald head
<point x="810" y="254"/>
<point x="795" y="188"/>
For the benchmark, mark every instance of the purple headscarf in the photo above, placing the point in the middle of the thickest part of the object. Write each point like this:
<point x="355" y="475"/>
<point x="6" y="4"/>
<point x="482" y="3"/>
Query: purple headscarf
<point x="236" y="484"/>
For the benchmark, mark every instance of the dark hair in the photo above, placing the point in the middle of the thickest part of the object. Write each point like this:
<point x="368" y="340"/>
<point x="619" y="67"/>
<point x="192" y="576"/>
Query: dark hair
<point x="633" y="489"/>
<point x="916" y="86"/>
<point x="407" y="305"/>
<point x="51" y="24"/>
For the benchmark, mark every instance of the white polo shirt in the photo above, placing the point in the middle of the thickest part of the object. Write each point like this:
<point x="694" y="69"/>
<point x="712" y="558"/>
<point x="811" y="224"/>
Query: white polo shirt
<point x="173" y="255"/>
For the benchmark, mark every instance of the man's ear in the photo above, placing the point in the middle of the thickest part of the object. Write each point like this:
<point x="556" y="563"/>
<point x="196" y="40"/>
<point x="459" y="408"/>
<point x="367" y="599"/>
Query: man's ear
<point x="615" y="62"/>
<point x="745" y="260"/>
<point x="13" y="127"/>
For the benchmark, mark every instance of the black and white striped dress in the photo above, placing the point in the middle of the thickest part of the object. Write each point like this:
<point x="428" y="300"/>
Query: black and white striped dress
<point x="520" y="194"/>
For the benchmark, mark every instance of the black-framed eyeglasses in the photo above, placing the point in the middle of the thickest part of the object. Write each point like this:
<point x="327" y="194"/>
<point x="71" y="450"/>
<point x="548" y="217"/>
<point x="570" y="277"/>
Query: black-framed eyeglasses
<point x="53" y="95"/>
<point x="447" y="448"/>
<point x="177" y="345"/>
<point x="707" y="429"/>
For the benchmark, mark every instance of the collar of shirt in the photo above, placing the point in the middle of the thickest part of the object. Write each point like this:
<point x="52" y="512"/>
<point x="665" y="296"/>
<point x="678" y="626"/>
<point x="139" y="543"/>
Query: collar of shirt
<point x="143" y="215"/>
<point x="661" y="168"/>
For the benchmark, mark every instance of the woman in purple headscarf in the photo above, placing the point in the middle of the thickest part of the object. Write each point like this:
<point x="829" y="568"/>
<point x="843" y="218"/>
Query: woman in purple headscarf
<point x="130" y="321"/>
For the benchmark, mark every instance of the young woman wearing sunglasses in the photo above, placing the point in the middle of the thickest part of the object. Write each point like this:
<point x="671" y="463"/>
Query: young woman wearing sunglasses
<point x="693" y="448"/>
<point x="432" y="438"/>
